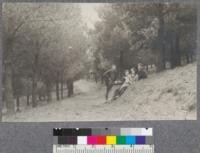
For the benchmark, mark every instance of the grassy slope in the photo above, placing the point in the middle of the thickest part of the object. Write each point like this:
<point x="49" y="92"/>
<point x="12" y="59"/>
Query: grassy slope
<point x="165" y="92"/>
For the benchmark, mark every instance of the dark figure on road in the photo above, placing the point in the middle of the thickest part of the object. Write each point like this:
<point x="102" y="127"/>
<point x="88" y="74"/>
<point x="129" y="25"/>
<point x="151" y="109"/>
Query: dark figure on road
<point x="109" y="77"/>
<point x="142" y="74"/>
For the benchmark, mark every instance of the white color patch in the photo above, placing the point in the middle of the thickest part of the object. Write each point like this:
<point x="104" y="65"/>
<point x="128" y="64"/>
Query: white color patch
<point x="147" y="132"/>
<point x="82" y="140"/>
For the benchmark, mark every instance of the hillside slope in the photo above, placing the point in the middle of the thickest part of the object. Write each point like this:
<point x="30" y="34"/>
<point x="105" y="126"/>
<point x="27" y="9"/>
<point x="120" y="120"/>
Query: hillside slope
<point x="166" y="95"/>
<point x="169" y="95"/>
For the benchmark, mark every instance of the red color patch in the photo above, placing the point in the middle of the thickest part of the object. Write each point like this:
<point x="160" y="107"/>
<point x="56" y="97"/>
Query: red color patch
<point x="101" y="140"/>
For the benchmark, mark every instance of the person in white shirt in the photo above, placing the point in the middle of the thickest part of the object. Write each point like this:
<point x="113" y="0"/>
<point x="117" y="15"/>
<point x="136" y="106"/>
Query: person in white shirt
<point x="134" y="75"/>
<point x="127" y="82"/>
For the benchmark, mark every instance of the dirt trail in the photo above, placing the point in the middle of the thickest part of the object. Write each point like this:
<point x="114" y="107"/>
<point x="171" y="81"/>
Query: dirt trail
<point x="88" y="95"/>
<point x="170" y="95"/>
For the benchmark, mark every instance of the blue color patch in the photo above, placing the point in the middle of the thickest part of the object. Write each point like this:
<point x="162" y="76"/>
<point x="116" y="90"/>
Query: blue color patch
<point x="130" y="140"/>
<point x="140" y="140"/>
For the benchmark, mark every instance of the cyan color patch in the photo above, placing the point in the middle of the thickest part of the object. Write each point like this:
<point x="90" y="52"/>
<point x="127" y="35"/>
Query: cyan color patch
<point x="130" y="140"/>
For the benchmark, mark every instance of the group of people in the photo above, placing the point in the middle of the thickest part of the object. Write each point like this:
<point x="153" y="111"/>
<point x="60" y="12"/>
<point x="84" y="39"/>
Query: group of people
<point x="130" y="77"/>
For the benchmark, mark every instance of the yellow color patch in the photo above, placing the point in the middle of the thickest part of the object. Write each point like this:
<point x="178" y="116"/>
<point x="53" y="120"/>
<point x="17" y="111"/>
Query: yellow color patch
<point x="110" y="140"/>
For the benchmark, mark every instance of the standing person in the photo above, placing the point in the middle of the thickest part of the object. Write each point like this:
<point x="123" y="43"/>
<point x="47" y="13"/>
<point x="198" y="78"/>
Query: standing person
<point x="109" y="77"/>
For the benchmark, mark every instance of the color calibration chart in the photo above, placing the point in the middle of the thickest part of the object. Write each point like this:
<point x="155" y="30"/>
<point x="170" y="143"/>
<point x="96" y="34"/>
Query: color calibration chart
<point x="103" y="140"/>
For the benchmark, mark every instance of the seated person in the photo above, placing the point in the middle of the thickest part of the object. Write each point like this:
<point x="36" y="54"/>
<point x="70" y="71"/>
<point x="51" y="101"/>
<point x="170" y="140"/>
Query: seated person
<point x="134" y="75"/>
<point x="127" y="81"/>
<point x="142" y="74"/>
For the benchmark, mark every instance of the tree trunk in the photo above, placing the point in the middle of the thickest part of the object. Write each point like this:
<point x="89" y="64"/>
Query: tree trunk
<point x="101" y="74"/>
<point x="172" y="53"/>
<point x="62" y="90"/>
<point x="28" y="99"/>
<point x="34" y="79"/>
<point x="48" y="92"/>
<point x="121" y="62"/>
<point x="9" y="99"/>
<point x="70" y="87"/>
<point x="8" y="88"/>
<point x="191" y="57"/>
<point x="187" y="58"/>
<point x="57" y="91"/>
<point x="161" y="42"/>
<point x="177" y="50"/>
<point x="18" y="101"/>
<point x="34" y="92"/>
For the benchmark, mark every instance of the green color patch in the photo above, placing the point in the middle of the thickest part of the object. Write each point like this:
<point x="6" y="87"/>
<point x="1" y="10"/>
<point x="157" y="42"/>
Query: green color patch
<point x="121" y="140"/>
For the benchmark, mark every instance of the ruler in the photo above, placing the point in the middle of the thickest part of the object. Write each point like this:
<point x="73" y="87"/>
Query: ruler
<point x="103" y="149"/>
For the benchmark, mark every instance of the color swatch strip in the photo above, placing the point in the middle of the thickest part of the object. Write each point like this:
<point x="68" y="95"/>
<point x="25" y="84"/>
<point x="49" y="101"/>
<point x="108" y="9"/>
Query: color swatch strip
<point x="104" y="140"/>
<point x="102" y="131"/>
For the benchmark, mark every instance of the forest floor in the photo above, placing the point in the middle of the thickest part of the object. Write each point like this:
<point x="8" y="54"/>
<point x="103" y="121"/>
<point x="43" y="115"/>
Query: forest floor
<point x="169" y="95"/>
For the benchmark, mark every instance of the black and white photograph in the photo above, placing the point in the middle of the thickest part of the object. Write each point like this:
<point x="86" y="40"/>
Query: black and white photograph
<point x="99" y="61"/>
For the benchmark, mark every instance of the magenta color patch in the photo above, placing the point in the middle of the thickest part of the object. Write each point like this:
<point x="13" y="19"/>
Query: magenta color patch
<point x="92" y="140"/>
